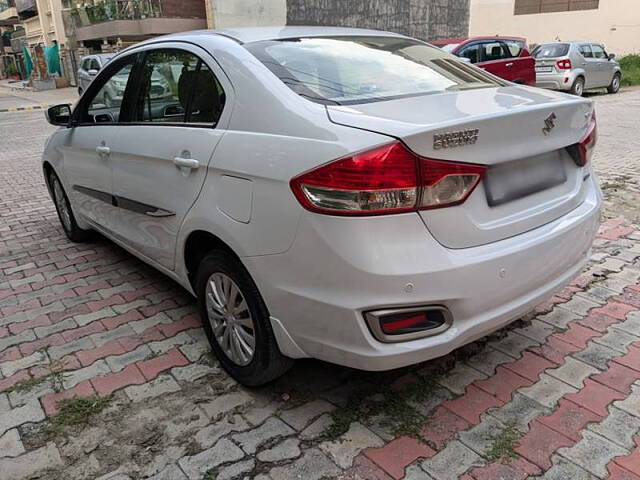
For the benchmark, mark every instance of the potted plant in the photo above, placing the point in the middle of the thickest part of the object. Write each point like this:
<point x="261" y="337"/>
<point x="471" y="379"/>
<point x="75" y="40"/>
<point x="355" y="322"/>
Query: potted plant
<point x="12" y="72"/>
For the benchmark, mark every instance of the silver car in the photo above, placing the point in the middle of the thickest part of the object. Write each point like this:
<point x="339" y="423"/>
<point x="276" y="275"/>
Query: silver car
<point x="89" y="68"/>
<point x="576" y="66"/>
<point x="350" y="195"/>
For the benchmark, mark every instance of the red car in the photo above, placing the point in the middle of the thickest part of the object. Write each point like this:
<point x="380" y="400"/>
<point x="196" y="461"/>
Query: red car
<point x="506" y="57"/>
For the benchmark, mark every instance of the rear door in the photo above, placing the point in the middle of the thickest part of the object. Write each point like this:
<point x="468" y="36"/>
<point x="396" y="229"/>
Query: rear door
<point x="174" y="123"/>
<point x="492" y="59"/>
<point x="521" y="64"/>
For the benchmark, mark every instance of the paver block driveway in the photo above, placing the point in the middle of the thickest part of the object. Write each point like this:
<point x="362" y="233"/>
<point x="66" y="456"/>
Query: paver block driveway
<point x="556" y="395"/>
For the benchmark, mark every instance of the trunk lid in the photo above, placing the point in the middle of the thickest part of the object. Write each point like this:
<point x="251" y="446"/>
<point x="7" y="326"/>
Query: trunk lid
<point x="548" y="65"/>
<point x="531" y="179"/>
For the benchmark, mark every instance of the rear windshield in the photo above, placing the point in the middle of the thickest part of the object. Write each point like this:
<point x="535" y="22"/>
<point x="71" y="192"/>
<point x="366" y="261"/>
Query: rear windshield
<point x="551" y="50"/>
<point x="350" y="70"/>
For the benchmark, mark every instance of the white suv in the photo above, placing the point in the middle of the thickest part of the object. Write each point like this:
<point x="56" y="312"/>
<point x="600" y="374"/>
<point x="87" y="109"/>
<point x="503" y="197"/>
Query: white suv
<point x="355" y="196"/>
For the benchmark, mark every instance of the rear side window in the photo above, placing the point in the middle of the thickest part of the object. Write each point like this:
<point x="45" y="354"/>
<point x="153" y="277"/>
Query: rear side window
<point x="177" y="87"/>
<point x="349" y="70"/>
<point x="585" y="51"/>
<point x="94" y="65"/>
<point x="514" y="47"/>
<point x="551" y="50"/>
<point x="85" y="64"/>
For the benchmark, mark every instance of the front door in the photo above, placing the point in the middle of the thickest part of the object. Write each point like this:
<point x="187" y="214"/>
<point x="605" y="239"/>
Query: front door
<point x="588" y="64"/>
<point x="492" y="59"/>
<point x="605" y="66"/>
<point x="174" y="124"/>
<point x="87" y="150"/>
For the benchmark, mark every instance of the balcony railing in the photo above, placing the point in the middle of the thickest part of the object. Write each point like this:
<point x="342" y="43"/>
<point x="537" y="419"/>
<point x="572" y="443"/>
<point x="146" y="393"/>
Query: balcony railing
<point x="110" y="10"/>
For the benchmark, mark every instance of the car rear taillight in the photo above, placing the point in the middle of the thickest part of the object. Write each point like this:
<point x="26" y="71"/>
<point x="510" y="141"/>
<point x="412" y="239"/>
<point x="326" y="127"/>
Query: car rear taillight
<point x="564" y="64"/>
<point x="582" y="151"/>
<point x="387" y="179"/>
<point x="445" y="184"/>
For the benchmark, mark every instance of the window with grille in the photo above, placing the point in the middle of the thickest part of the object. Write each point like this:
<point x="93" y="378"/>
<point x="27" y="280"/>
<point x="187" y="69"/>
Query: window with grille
<point x="525" y="7"/>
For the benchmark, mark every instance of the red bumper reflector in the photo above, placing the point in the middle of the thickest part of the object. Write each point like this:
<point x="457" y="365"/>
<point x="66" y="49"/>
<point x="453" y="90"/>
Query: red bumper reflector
<point x="402" y="323"/>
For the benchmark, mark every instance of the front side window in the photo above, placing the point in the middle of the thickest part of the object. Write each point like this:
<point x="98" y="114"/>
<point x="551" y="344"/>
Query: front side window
<point x="598" y="51"/>
<point x="492" y="51"/>
<point x="177" y="87"/>
<point x="585" y="51"/>
<point x="105" y="104"/>
<point x="355" y="69"/>
<point x="472" y="53"/>
<point x="94" y="65"/>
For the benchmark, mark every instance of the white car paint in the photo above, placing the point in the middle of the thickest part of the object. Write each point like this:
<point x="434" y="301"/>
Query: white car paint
<point x="318" y="273"/>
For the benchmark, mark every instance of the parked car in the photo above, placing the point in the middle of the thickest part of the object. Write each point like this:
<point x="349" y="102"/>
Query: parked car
<point x="350" y="195"/>
<point x="576" y="67"/>
<point x="506" y="57"/>
<point x="89" y="68"/>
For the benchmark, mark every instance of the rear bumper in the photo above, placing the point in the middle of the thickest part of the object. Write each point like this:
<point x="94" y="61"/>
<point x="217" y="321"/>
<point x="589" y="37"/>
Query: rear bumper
<point x="338" y="268"/>
<point x="555" y="81"/>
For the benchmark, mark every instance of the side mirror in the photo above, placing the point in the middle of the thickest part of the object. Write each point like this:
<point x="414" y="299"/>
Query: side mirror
<point x="612" y="56"/>
<point x="59" y="115"/>
<point x="93" y="72"/>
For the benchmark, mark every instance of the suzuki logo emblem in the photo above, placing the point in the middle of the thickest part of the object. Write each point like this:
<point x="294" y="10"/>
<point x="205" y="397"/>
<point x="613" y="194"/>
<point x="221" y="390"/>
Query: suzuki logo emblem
<point x="549" y="124"/>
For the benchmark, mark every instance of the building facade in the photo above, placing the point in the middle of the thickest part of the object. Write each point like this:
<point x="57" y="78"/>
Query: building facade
<point x="80" y="27"/>
<point x="424" y="19"/>
<point x="615" y="23"/>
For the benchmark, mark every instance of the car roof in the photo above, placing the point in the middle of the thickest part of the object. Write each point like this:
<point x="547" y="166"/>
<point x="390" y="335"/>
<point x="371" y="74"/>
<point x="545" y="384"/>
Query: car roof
<point x="571" y="42"/>
<point x="257" y="34"/>
<point x="474" y="39"/>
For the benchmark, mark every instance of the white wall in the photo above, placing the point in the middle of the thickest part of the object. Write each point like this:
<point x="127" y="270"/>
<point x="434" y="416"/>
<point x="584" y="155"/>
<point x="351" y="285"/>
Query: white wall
<point x="616" y="24"/>
<point x="247" y="13"/>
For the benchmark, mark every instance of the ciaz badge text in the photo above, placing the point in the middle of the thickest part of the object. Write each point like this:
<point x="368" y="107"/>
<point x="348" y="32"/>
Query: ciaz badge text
<point x="455" y="139"/>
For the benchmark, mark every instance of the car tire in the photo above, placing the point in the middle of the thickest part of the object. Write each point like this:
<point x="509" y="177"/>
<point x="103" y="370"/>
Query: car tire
<point x="578" y="87"/>
<point x="615" y="84"/>
<point x="80" y="91"/>
<point x="222" y="281"/>
<point x="65" y="213"/>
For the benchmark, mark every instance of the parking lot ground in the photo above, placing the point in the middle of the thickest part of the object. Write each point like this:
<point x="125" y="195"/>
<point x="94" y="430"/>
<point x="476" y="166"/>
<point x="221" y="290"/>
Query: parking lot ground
<point x="105" y="372"/>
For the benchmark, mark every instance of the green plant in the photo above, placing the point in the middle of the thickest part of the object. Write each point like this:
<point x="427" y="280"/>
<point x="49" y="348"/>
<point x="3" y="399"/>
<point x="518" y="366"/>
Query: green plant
<point x="25" y="385"/>
<point x="630" y="65"/>
<point x="77" y="411"/>
<point x="395" y="406"/>
<point x="504" y="444"/>
<point x="11" y="70"/>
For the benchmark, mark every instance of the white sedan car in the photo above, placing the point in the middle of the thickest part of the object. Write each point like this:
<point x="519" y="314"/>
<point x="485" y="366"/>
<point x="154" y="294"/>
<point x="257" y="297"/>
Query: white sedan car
<point x="354" y="196"/>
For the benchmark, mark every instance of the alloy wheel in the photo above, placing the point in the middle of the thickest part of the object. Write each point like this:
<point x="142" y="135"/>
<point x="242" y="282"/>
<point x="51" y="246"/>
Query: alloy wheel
<point x="230" y="319"/>
<point x="61" y="203"/>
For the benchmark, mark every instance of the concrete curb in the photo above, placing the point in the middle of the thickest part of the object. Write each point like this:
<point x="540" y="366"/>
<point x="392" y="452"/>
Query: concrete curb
<point x="25" y="108"/>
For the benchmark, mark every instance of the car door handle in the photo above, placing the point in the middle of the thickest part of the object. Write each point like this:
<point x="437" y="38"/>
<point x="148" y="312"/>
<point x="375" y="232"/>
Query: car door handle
<point x="509" y="65"/>
<point x="191" y="163"/>
<point x="103" y="150"/>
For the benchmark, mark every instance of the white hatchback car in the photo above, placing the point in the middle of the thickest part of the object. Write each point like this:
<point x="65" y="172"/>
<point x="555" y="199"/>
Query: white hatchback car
<point x="354" y="196"/>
